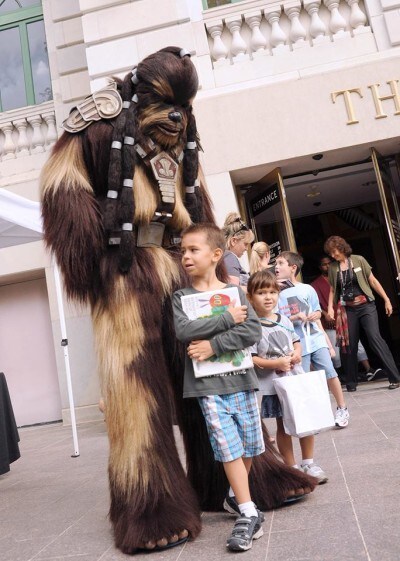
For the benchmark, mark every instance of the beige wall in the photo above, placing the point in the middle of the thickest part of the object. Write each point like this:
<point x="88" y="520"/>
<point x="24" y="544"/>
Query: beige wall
<point x="27" y="352"/>
<point x="82" y="360"/>
<point x="274" y="122"/>
<point x="19" y="266"/>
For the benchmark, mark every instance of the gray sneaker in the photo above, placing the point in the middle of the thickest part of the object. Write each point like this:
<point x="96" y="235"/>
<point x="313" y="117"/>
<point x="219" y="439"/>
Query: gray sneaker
<point x="231" y="505"/>
<point x="244" y="532"/>
<point x="315" y="471"/>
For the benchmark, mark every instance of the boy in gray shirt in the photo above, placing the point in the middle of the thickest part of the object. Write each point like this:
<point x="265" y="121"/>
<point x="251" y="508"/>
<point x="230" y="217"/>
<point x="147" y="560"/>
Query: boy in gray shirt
<point x="228" y="401"/>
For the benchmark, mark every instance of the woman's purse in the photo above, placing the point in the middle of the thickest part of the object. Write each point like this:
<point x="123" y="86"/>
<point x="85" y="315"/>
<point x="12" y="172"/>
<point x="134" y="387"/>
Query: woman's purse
<point x="305" y="403"/>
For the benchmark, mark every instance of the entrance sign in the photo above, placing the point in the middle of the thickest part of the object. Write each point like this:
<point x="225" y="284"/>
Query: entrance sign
<point x="267" y="199"/>
<point x="269" y="214"/>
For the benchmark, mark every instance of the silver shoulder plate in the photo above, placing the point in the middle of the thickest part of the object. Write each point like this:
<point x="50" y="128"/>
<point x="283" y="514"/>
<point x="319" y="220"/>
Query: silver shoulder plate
<point x="103" y="104"/>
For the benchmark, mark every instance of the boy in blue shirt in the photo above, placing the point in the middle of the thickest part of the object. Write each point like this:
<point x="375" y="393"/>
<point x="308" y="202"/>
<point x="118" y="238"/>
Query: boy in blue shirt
<point x="301" y="305"/>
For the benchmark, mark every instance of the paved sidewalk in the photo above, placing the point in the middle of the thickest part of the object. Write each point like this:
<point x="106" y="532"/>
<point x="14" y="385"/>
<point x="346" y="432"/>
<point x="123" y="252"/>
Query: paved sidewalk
<point x="54" y="507"/>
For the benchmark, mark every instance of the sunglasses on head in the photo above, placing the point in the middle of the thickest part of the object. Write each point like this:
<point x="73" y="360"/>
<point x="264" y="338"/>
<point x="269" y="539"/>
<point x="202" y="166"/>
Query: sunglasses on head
<point x="243" y="226"/>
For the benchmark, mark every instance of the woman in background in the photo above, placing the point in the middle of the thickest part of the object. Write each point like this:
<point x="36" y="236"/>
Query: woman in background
<point x="259" y="258"/>
<point x="238" y="238"/>
<point x="351" y="283"/>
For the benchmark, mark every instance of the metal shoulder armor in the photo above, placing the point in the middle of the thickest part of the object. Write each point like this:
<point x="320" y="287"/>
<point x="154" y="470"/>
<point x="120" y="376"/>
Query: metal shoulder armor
<point x="103" y="104"/>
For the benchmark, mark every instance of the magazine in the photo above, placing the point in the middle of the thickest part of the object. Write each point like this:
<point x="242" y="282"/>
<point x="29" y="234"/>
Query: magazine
<point x="206" y="305"/>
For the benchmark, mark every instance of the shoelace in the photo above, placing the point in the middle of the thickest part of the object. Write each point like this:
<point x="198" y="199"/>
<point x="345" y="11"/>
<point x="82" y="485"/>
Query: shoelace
<point x="341" y="411"/>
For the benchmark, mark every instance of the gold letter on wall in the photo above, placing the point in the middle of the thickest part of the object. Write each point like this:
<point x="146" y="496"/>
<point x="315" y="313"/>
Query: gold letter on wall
<point x="348" y="103"/>
<point x="378" y="99"/>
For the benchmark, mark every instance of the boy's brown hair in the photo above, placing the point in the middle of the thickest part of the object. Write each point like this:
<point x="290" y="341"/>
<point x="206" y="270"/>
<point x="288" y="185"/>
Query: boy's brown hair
<point x="214" y="236"/>
<point x="293" y="259"/>
<point x="262" y="279"/>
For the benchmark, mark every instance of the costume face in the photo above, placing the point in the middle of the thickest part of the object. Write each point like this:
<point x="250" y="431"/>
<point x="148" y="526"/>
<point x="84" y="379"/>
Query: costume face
<point x="198" y="257"/>
<point x="165" y="91"/>
<point x="164" y="123"/>
<point x="283" y="270"/>
<point x="264" y="301"/>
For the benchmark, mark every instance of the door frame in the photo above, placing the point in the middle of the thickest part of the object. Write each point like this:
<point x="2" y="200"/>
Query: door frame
<point x="269" y="181"/>
<point x="390" y="207"/>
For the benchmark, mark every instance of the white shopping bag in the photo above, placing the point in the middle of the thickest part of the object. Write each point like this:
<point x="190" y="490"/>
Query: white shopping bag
<point x="305" y="403"/>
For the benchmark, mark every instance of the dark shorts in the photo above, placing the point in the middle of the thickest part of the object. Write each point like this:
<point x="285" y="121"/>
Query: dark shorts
<point x="271" y="407"/>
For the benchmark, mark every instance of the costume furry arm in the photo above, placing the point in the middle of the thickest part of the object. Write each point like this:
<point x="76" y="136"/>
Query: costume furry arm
<point x="71" y="217"/>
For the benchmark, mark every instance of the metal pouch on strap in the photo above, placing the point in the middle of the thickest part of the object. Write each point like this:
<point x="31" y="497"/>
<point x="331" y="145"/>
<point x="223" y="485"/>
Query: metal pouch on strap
<point x="150" y="235"/>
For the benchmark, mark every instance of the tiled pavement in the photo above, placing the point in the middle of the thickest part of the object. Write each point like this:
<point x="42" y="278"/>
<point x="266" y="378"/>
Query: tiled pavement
<point x="54" y="507"/>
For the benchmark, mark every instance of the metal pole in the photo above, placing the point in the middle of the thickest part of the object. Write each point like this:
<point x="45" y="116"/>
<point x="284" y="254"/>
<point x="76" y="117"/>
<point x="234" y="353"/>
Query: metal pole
<point x="64" y="344"/>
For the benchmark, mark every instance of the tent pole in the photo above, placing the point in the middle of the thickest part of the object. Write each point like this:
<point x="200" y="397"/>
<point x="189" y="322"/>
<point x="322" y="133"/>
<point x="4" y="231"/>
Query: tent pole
<point x="64" y="344"/>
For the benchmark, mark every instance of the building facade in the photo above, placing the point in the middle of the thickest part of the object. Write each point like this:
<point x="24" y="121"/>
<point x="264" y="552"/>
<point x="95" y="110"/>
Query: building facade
<point x="298" y="111"/>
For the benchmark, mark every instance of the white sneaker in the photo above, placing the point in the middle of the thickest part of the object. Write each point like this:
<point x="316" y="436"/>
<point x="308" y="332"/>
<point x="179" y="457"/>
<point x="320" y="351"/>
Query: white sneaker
<point x="370" y="375"/>
<point x="342" y="417"/>
<point x="315" y="471"/>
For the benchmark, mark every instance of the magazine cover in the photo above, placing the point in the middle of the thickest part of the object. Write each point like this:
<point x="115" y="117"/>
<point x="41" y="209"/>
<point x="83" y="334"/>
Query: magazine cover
<point x="206" y="305"/>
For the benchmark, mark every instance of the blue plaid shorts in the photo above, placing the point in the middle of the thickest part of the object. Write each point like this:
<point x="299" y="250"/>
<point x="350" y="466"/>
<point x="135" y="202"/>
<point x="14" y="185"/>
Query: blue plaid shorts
<point x="234" y="425"/>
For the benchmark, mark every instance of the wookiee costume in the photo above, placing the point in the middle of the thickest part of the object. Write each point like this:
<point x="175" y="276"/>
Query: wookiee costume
<point x="118" y="189"/>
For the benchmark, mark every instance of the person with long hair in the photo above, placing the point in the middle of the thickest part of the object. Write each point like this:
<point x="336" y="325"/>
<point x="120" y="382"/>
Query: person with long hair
<point x="352" y="284"/>
<point x="259" y="258"/>
<point x="238" y="238"/>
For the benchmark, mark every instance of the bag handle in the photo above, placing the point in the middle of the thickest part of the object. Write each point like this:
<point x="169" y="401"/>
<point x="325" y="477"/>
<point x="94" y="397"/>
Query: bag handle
<point x="263" y="320"/>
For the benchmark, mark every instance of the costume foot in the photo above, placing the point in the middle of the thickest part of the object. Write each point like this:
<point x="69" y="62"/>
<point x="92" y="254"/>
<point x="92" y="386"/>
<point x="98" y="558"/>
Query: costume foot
<point x="164" y="543"/>
<point x="297" y="495"/>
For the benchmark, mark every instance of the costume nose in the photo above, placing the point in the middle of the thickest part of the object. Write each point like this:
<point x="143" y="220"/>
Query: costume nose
<point x="175" y="116"/>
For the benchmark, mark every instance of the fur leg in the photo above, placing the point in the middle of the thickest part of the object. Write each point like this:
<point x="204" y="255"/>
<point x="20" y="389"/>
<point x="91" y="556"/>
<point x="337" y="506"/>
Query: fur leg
<point x="151" y="498"/>
<point x="272" y="481"/>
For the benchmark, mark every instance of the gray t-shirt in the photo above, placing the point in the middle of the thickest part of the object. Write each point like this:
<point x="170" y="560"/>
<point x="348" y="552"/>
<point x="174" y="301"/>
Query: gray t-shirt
<point x="234" y="268"/>
<point x="224" y="335"/>
<point x="277" y="340"/>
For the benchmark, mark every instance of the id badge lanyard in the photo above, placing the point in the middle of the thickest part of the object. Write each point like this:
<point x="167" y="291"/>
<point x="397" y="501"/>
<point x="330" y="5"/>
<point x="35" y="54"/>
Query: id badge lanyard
<point x="343" y="279"/>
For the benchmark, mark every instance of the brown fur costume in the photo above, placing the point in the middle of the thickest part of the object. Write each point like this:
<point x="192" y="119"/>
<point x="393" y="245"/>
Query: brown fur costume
<point x="128" y="288"/>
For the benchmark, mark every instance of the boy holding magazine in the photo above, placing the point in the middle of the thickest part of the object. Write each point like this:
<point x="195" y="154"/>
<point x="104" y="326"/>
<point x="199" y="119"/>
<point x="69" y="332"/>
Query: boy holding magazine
<point x="228" y="401"/>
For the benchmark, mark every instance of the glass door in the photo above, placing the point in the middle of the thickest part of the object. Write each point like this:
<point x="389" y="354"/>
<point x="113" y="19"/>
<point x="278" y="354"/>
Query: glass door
<point x="268" y="213"/>
<point x="389" y="204"/>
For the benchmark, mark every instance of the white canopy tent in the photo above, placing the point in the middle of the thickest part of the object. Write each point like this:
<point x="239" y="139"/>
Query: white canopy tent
<point x="21" y="222"/>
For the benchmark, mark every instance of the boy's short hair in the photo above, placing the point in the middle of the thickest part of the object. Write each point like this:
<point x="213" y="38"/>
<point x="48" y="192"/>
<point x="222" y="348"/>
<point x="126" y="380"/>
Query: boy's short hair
<point x="214" y="235"/>
<point x="262" y="279"/>
<point x="293" y="259"/>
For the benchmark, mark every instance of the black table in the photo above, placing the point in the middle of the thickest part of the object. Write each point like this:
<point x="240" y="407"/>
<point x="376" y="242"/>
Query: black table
<point x="9" y="438"/>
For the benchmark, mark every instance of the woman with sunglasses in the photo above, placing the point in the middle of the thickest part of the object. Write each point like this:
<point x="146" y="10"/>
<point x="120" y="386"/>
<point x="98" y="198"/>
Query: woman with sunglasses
<point x="238" y="238"/>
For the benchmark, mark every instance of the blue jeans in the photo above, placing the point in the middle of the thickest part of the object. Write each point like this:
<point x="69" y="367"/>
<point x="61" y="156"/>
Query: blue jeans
<point x="321" y="360"/>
